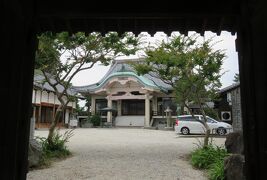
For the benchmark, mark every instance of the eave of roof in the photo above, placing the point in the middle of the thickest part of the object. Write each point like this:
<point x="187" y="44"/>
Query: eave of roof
<point x="229" y="88"/>
<point x="40" y="83"/>
<point x="151" y="17"/>
<point x="121" y="68"/>
<point x="140" y="79"/>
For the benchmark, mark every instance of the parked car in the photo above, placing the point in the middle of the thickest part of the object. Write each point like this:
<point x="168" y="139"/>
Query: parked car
<point x="187" y="124"/>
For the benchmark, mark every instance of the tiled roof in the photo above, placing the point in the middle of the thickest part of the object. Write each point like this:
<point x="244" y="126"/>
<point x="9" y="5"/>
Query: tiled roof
<point x="228" y="88"/>
<point x="39" y="82"/>
<point x="123" y="68"/>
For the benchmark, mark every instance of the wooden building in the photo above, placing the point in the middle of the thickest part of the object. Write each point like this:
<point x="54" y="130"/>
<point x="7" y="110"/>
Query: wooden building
<point x="140" y="101"/>
<point x="45" y="102"/>
<point x="229" y="106"/>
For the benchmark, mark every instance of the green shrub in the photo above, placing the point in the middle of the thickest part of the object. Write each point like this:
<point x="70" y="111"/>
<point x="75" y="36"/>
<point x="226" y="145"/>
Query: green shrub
<point x="45" y="161"/>
<point x="203" y="157"/>
<point x="216" y="171"/>
<point x="212" y="158"/>
<point x="58" y="148"/>
<point x="95" y="120"/>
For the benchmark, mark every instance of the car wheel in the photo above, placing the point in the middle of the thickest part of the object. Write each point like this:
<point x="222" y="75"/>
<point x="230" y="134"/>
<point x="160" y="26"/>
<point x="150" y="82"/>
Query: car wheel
<point x="185" y="131"/>
<point x="221" y="131"/>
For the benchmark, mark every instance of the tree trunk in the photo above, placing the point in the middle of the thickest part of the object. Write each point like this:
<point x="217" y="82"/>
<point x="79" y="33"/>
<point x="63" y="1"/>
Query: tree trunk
<point x="207" y="135"/>
<point x="54" y="123"/>
<point x="182" y="108"/>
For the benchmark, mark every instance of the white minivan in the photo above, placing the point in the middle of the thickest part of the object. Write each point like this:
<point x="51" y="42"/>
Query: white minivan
<point x="187" y="124"/>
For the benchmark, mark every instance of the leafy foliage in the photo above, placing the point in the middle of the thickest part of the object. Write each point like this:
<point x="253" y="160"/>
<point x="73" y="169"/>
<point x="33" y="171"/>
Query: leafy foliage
<point x="213" y="113"/>
<point x="210" y="157"/>
<point x="80" y="110"/>
<point x="81" y="49"/>
<point x="60" y="56"/>
<point x="216" y="171"/>
<point x="95" y="120"/>
<point x="58" y="148"/>
<point x="205" y="156"/>
<point x="193" y="70"/>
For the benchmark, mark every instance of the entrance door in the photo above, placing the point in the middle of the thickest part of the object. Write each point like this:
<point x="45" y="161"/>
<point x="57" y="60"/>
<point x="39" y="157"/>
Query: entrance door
<point x="133" y="113"/>
<point x="133" y="107"/>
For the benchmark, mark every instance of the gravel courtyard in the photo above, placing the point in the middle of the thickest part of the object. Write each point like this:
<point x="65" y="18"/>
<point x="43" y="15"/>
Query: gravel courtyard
<point x="124" y="154"/>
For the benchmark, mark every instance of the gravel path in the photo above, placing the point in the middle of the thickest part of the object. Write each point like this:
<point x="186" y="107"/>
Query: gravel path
<point x="124" y="154"/>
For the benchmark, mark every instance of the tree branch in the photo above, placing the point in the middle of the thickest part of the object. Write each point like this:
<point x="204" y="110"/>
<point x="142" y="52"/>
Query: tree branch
<point x="54" y="86"/>
<point x="89" y="67"/>
<point x="69" y="71"/>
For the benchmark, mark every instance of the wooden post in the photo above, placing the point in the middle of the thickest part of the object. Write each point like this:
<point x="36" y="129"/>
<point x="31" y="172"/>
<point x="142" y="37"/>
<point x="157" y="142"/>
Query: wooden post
<point x="251" y="47"/>
<point x="40" y="109"/>
<point x="19" y="43"/>
<point x="93" y="105"/>
<point x="147" y="110"/>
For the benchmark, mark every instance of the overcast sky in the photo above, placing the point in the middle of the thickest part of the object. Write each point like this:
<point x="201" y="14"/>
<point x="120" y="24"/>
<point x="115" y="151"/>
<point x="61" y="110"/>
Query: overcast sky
<point x="226" y="41"/>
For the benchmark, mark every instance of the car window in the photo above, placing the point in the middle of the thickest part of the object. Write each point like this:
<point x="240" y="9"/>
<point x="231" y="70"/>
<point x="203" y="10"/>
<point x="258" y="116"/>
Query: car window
<point x="187" y="118"/>
<point x="209" y="120"/>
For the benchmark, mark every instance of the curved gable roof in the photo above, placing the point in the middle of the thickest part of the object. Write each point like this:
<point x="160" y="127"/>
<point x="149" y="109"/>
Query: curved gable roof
<point x="144" y="81"/>
<point x="122" y="68"/>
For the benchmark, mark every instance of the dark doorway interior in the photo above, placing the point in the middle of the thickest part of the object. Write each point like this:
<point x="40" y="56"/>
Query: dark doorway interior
<point x="133" y="107"/>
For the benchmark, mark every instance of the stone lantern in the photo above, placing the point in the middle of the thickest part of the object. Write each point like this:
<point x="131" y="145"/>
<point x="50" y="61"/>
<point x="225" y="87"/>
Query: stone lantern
<point x="168" y="112"/>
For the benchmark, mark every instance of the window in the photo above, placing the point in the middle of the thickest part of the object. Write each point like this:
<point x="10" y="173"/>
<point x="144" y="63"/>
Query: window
<point x="99" y="104"/>
<point x="187" y="118"/>
<point x="209" y="120"/>
<point x="133" y="107"/>
<point x="47" y="115"/>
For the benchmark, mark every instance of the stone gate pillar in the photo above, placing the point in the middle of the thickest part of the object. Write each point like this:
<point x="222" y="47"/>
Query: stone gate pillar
<point x="93" y="105"/>
<point x="147" y="110"/>
<point x="109" y="114"/>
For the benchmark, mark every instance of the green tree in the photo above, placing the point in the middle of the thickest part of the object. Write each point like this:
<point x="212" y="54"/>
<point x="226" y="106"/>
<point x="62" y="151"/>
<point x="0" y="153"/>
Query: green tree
<point x="79" y="110"/>
<point x="88" y="104"/>
<point x="84" y="110"/>
<point x="191" y="68"/>
<point x="61" y="56"/>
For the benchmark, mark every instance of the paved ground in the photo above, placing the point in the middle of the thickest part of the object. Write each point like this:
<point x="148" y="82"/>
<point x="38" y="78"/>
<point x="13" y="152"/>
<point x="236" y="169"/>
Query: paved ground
<point x="125" y="154"/>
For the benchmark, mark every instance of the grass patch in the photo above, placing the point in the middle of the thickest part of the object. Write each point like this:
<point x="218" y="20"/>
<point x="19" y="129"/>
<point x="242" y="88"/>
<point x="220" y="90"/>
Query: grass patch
<point x="211" y="158"/>
<point x="57" y="150"/>
<point x="216" y="170"/>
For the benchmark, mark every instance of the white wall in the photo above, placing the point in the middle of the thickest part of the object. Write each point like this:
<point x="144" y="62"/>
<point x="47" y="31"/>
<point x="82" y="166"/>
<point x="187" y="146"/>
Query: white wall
<point x="48" y="98"/>
<point x="130" y="121"/>
<point x="45" y="97"/>
<point x="52" y="98"/>
<point x="33" y="96"/>
<point x="38" y="95"/>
